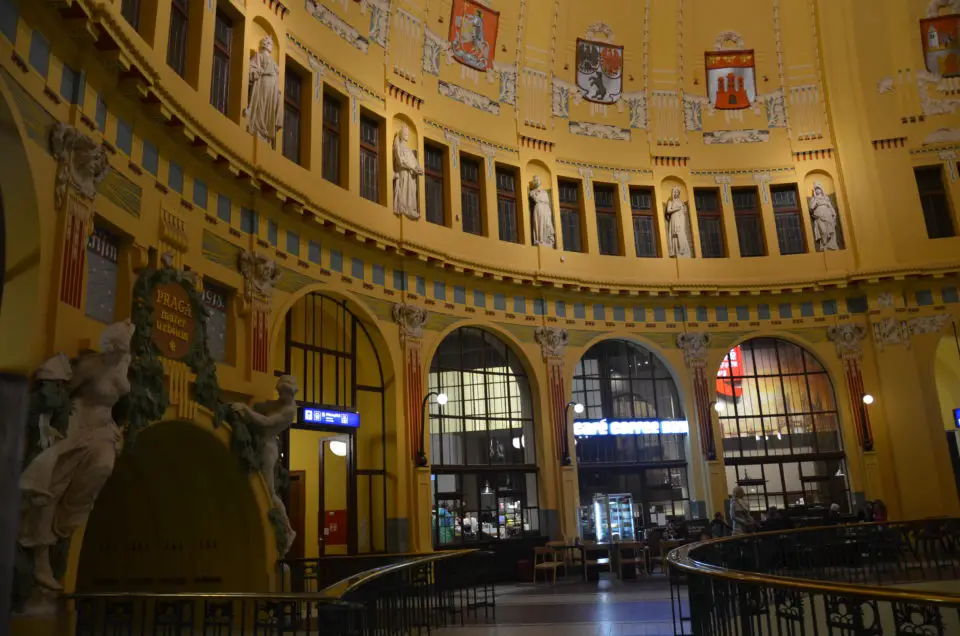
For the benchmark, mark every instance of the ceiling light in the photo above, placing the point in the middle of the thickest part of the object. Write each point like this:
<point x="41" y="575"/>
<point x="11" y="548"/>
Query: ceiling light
<point x="578" y="408"/>
<point x="441" y="399"/>
<point x="868" y="399"/>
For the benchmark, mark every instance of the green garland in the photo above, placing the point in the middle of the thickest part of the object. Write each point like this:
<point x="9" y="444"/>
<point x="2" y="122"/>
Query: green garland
<point x="148" y="399"/>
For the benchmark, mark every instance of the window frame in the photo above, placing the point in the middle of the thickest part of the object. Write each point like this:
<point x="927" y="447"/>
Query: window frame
<point x="638" y="213"/>
<point x="610" y="215"/>
<point x="753" y="216"/>
<point x="374" y="158"/>
<point x="180" y="9"/>
<point x="714" y="217"/>
<point x="568" y="208"/>
<point x="438" y="178"/>
<point x="130" y="11"/>
<point x="781" y="213"/>
<point x="508" y="197"/>
<point x="944" y="193"/>
<point x="472" y="187"/>
<point x="332" y="135"/>
<point x="293" y="106"/>
<point x="222" y="51"/>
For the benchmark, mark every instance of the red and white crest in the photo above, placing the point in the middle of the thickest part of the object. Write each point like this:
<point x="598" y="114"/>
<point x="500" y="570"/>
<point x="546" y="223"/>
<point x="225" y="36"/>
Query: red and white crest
<point x="599" y="71"/>
<point x="473" y="33"/>
<point x="731" y="79"/>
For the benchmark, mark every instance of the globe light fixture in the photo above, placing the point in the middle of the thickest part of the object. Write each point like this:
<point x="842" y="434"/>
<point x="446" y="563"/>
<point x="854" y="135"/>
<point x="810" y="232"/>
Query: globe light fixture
<point x="868" y="399"/>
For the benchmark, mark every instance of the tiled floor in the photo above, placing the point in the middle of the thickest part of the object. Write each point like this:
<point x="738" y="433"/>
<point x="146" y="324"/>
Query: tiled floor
<point x="571" y="608"/>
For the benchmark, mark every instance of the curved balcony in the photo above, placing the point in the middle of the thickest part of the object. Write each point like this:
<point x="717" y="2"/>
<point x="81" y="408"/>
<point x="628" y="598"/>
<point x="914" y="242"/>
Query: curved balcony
<point x="877" y="579"/>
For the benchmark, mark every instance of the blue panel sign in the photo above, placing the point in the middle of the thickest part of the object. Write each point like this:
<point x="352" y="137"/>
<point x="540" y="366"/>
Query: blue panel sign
<point x="312" y="416"/>
<point x="956" y="418"/>
<point x="591" y="428"/>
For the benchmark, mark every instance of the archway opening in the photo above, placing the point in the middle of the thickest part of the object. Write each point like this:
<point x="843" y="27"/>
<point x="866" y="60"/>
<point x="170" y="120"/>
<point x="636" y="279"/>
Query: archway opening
<point x="177" y="514"/>
<point x="337" y="497"/>
<point x="781" y="429"/>
<point x="631" y="442"/>
<point x="482" y="443"/>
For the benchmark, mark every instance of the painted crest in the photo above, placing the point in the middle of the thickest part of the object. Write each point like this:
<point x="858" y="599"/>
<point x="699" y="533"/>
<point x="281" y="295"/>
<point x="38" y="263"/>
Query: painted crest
<point x="731" y="79"/>
<point x="941" y="44"/>
<point x="599" y="71"/>
<point x="473" y="33"/>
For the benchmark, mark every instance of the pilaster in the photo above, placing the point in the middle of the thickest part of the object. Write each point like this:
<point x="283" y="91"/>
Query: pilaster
<point x="553" y="344"/>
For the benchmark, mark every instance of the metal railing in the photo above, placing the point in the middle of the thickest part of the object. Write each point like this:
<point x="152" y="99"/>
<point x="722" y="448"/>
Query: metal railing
<point x="411" y="597"/>
<point x="850" y="580"/>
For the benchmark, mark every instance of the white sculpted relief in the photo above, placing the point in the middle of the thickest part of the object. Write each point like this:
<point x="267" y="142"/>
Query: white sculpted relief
<point x="260" y="275"/>
<point x="265" y="106"/>
<point x="678" y="226"/>
<point x="406" y="169"/>
<point x="270" y="419"/>
<point x="60" y="485"/>
<point x="824" y="216"/>
<point x="81" y="163"/>
<point x="543" y="230"/>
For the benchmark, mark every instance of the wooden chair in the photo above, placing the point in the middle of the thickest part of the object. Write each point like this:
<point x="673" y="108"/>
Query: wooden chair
<point x="559" y="548"/>
<point x="654" y="544"/>
<point x="631" y="555"/>
<point x="545" y="560"/>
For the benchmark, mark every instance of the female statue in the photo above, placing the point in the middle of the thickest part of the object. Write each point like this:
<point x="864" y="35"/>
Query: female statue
<point x="406" y="169"/>
<point x="61" y="484"/>
<point x="265" y="106"/>
<point x="543" y="232"/>
<point x="678" y="225"/>
<point x="824" y="216"/>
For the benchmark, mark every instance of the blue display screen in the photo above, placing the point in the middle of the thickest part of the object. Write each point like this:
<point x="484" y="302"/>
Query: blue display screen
<point x="312" y="416"/>
<point x="590" y="428"/>
<point x="956" y="418"/>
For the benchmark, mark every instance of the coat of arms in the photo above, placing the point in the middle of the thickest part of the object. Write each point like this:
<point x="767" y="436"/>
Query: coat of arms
<point x="599" y="71"/>
<point x="941" y="46"/>
<point x="731" y="79"/>
<point x="473" y="33"/>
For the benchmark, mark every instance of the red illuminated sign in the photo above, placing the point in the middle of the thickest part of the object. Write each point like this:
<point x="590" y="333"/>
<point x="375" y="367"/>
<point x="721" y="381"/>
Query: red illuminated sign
<point x="728" y="380"/>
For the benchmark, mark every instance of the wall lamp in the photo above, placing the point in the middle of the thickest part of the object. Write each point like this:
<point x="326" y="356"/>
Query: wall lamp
<point x="577" y="409"/>
<point x="441" y="400"/>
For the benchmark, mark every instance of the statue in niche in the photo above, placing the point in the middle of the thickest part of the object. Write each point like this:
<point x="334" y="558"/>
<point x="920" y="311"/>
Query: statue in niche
<point x="265" y="106"/>
<point x="678" y="225"/>
<point x="406" y="169"/>
<point x="60" y="485"/>
<point x="543" y="232"/>
<point x="824" y="215"/>
<point x="272" y="418"/>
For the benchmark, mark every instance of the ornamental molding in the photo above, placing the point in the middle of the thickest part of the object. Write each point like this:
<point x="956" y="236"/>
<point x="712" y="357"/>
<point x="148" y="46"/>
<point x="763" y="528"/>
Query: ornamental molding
<point x="82" y="164"/>
<point x="600" y="32"/>
<point x="260" y="277"/>
<point x="729" y="36"/>
<point x="848" y="340"/>
<point x="695" y="345"/>
<point x="553" y="341"/>
<point x="411" y="320"/>
<point x="933" y="9"/>
<point x="890" y="331"/>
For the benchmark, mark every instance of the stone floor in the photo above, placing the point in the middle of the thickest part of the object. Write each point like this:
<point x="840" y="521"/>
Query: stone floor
<point x="609" y="607"/>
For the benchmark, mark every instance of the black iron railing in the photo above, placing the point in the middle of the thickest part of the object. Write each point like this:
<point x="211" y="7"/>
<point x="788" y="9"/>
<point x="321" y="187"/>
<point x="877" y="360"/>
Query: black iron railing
<point x="411" y="597"/>
<point x="873" y="579"/>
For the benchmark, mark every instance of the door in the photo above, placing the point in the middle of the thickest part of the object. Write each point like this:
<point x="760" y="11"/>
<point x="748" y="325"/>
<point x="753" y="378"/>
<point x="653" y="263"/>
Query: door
<point x="297" y="512"/>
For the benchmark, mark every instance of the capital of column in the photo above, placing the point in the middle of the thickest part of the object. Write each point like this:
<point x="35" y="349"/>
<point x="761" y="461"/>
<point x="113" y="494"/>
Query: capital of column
<point x="848" y="339"/>
<point x="260" y="276"/>
<point x="411" y="320"/>
<point x="553" y="342"/>
<point x="890" y="331"/>
<point x="694" y="345"/>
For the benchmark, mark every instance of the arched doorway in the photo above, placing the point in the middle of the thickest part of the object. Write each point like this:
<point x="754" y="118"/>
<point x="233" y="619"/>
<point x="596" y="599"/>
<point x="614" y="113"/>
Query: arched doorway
<point x="176" y="515"/>
<point x="780" y="427"/>
<point x="482" y="443"/>
<point x="631" y="441"/>
<point x="337" y="497"/>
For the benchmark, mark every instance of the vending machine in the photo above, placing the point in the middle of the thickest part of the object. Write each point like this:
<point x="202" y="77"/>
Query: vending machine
<point x="613" y="518"/>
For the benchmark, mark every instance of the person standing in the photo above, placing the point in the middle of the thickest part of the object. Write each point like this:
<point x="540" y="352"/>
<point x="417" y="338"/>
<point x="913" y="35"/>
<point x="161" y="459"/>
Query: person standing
<point x="743" y="521"/>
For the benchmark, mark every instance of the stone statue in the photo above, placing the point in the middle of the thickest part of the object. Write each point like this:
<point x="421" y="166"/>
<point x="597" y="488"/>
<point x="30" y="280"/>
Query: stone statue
<point x="406" y="169"/>
<point x="678" y="225"/>
<point x="543" y="232"/>
<point x="82" y="163"/>
<point x="824" y="216"/>
<point x="272" y="418"/>
<point x="265" y="106"/>
<point x="60" y="485"/>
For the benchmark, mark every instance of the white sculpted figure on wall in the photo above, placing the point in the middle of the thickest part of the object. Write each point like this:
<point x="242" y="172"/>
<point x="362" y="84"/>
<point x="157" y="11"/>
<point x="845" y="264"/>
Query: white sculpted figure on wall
<point x="678" y="225"/>
<point x="406" y="169"/>
<point x="824" y="216"/>
<point x="265" y="106"/>
<point x="272" y="418"/>
<point x="543" y="231"/>
<point x="61" y="484"/>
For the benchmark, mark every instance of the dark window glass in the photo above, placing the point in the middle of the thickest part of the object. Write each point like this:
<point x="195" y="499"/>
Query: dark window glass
<point x="789" y="219"/>
<point x="331" y="139"/>
<point x="72" y="85"/>
<point x="644" y="223"/>
<point x="215" y="300"/>
<point x="470" y="196"/>
<point x="710" y="220"/>
<point x="273" y="233"/>
<point x="607" y="234"/>
<point x="746" y="209"/>
<point x="220" y="83"/>
<point x="433" y="182"/>
<point x="177" y="36"/>
<point x="482" y="442"/>
<point x="293" y="243"/>
<point x="248" y="220"/>
<point x="780" y="427"/>
<point x="130" y="10"/>
<point x="935" y="201"/>
<point x="569" y="194"/>
<point x="507" y="205"/>
<point x="39" y="53"/>
<point x="369" y="161"/>
<point x="9" y="18"/>
<point x="313" y="252"/>
<point x="103" y="253"/>
<point x="292" y="94"/>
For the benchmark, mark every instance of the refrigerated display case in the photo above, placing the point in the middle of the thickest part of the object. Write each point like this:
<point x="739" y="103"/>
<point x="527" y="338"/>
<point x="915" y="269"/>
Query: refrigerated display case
<point x="613" y="517"/>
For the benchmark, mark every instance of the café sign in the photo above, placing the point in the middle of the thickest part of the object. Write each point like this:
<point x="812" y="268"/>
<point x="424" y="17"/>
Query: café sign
<point x="604" y="427"/>
<point x="174" y="325"/>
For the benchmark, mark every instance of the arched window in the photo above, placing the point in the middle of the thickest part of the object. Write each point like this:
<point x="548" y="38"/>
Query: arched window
<point x="618" y="380"/>
<point x="482" y="446"/>
<point x="780" y="428"/>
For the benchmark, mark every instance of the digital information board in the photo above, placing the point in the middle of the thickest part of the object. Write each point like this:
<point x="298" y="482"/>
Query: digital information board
<point x="318" y="416"/>
<point x="599" y="428"/>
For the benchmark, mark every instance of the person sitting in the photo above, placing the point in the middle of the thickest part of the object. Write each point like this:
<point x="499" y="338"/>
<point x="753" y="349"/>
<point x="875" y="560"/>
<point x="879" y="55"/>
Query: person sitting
<point x="671" y="532"/>
<point x="865" y="514"/>
<point x="775" y="521"/>
<point x="833" y="515"/>
<point x="719" y="527"/>
<point x="879" y="511"/>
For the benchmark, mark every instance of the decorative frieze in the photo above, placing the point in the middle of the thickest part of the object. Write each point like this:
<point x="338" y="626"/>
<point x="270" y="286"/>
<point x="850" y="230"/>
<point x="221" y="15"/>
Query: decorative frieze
<point x="552" y="340"/>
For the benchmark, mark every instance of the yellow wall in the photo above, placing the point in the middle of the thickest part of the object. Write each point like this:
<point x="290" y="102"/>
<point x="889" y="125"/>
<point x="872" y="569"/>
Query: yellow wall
<point x="831" y="58"/>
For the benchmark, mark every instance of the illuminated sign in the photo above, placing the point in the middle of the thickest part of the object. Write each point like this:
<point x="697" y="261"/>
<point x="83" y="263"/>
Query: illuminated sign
<point x="728" y="382"/>
<point x="590" y="428"/>
<point x="312" y="416"/>
<point x="956" y="418"/>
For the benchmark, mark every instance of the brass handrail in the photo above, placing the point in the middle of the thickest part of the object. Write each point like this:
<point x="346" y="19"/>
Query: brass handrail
<point x="681" y="559"/>
<point x="344" y="586"/>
